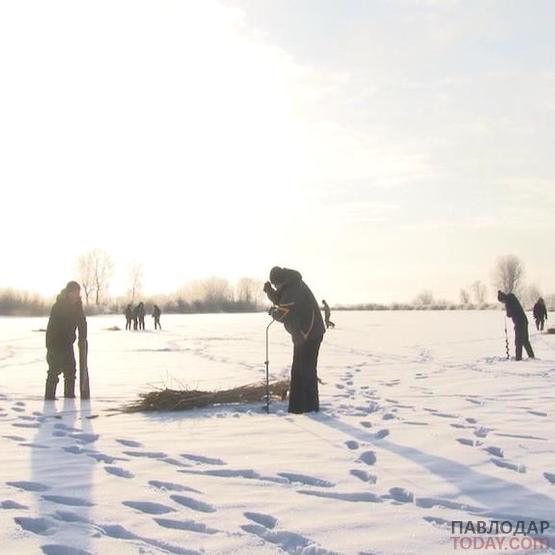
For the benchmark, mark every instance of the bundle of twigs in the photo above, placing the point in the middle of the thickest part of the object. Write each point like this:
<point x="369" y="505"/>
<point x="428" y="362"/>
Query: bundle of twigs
<point x="172" y="399"/>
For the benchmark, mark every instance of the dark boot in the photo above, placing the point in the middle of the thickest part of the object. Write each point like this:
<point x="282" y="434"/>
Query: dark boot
<point x="69" y="388"/>
<point x="50" y="389"/>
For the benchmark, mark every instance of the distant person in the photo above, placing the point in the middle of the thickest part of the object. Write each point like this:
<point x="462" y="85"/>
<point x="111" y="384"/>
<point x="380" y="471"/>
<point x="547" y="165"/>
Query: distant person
<point x="128" y="316"/>
<point x="516" y="313"/>
<point x="141" y="316"/>
<point x="156" y="312"/>
<point x="327" y="314"/>
<point x="66" y="316"/>
<point x="296" y="308"/>
<point x="540" y="314"/>
<point x="136" y="311"/>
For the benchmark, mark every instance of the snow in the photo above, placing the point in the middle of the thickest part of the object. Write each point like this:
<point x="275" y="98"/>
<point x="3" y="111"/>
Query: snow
<point x="423" y="422"/>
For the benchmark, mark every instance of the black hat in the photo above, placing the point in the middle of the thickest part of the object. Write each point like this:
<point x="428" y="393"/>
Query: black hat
<point x="72" y="286"/>
<point x="277" y="275"/>
<point x="501" y="297"/>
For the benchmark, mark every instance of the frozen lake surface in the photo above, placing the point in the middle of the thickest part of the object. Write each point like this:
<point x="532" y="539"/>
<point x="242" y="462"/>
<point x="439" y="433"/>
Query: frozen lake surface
<point x="423" y="422"/>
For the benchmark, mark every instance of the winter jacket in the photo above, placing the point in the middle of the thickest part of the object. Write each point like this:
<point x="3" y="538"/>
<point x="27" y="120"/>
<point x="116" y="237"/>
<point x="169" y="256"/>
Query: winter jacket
<point x="515" y="310"/>
<point x="297" y="309"/>
<point x="65" y="318"/>
<point x="540" y="311"/>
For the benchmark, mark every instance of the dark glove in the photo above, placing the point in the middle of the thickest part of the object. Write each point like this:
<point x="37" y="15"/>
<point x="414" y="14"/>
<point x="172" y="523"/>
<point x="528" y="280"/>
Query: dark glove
<point x="267" y="287"/>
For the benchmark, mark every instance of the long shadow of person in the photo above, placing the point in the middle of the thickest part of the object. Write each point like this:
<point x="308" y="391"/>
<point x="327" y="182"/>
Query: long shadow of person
<point x="498" y="498"/>
<point x="61" y="474"/>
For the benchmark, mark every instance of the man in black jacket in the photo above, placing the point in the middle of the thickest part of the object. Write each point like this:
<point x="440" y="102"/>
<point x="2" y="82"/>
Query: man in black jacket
<point x="516" y="313"/>
<point x="540" y="314"/>
<point x="66" y="317"/>
<point x="296" y="307"/>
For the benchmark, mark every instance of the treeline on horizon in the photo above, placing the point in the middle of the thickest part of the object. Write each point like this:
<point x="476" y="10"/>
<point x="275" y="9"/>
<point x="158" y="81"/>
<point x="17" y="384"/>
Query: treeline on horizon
<point x="23" y="303"/>
<point x="216" y="294"/>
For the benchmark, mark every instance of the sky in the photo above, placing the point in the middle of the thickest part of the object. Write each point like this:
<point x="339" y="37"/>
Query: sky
<point x="381" y="147"/>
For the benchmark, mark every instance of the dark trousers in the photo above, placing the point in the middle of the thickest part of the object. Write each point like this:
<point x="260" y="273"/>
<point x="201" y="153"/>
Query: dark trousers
<point x="157" y="323"/>
<point x="539" y="323"/>
<point x="303" y="393"/>
<point x="522" y="340"/>
<point x="141" y="322"/>
<point x="60" y="361"/>
<point x="128" y="322"/>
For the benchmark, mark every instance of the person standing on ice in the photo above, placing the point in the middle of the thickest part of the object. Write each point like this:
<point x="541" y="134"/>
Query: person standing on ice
<point x="327" y="314"/>
<point x="516" y="313"/>
<point x="141" y="315"/>
<point x="128" y="316"/>
<point x="540" y="314"/>
<point x="66" y="316"/>
<point x="156" y="312"/>
<point x="297" y="309"/>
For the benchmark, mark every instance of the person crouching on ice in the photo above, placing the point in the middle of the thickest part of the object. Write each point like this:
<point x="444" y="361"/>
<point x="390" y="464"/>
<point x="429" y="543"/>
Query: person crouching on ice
<point x="66" y="317"/>
<point x="297" y="309"/>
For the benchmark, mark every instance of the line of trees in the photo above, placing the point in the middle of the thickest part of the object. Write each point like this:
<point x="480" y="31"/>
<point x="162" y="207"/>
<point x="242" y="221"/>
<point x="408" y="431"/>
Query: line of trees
<point x="95" y="270"/>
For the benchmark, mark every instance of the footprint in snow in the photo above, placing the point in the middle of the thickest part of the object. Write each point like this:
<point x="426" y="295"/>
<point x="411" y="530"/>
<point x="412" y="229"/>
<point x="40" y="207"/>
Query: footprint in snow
<point x="549" y="477"/>
<point x="40" y="526"/>
<point x="400" y="495"/>
<point x="9" y="504"/>
<point x="187" y="525"/>
<point x="59" y="549"/>
<point x="149" y="507"/>
<point x="202" y="459"/>
<point x="129" y="443"/>
<point x="193" y="504"/>
<point x="265" y="520"/>
<point x="120" y="472"/>
<point x="26" y="425"/>
<point x="29" y="486"/>
<point x="465" y="441"/>
<point x="520" y="468"/>
<point x="366" y="424"/>
<point x="495" y="451"/>
<point x="537" y="413"/>
<point x="290" y="542"/>
<point x="66" y="500"/>
<point x="171" y="486"/>
<point x="381" y="434"/>
<point x="306" y="480"/>
<point x="364" y="476"/>
<point x="351" y="444"/>
<point x="368" y="457"/>
<point x="146" y="454"/>
<point x="14" y="438"/>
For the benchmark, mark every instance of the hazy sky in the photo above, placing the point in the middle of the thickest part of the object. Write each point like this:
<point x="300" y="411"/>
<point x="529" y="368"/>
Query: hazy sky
<point x="379" y="146"/>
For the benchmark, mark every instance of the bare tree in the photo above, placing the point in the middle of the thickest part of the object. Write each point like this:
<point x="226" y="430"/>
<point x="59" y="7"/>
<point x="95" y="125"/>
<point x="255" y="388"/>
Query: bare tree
<point x="425" y="298"/>
<point x="531" y="294"/>
<point x="508" y="274"/>
<point x="135" y="280"/>
<point x="464" y="296"/>
<point x="479" y="290"/>
<point x="95" y="271"/>
<point x="85" y="271"/>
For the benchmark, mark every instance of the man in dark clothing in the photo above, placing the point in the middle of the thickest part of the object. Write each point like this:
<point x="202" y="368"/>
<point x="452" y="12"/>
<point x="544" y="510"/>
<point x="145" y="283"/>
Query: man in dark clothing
<point x="516" y="313"/>
<point x="327" y="314"/>
<point x="136" y="317"/>
<point x="141" y="315"/>
<point x="540" y="314"/>
<point x="296" y="307"/>
<point x="156" y="312"/>
<point x="128" y="316"/>
<point x="66" y="317"/>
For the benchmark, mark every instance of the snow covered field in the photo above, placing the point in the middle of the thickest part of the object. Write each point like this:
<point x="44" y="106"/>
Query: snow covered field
<point x="423" y="421"/>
